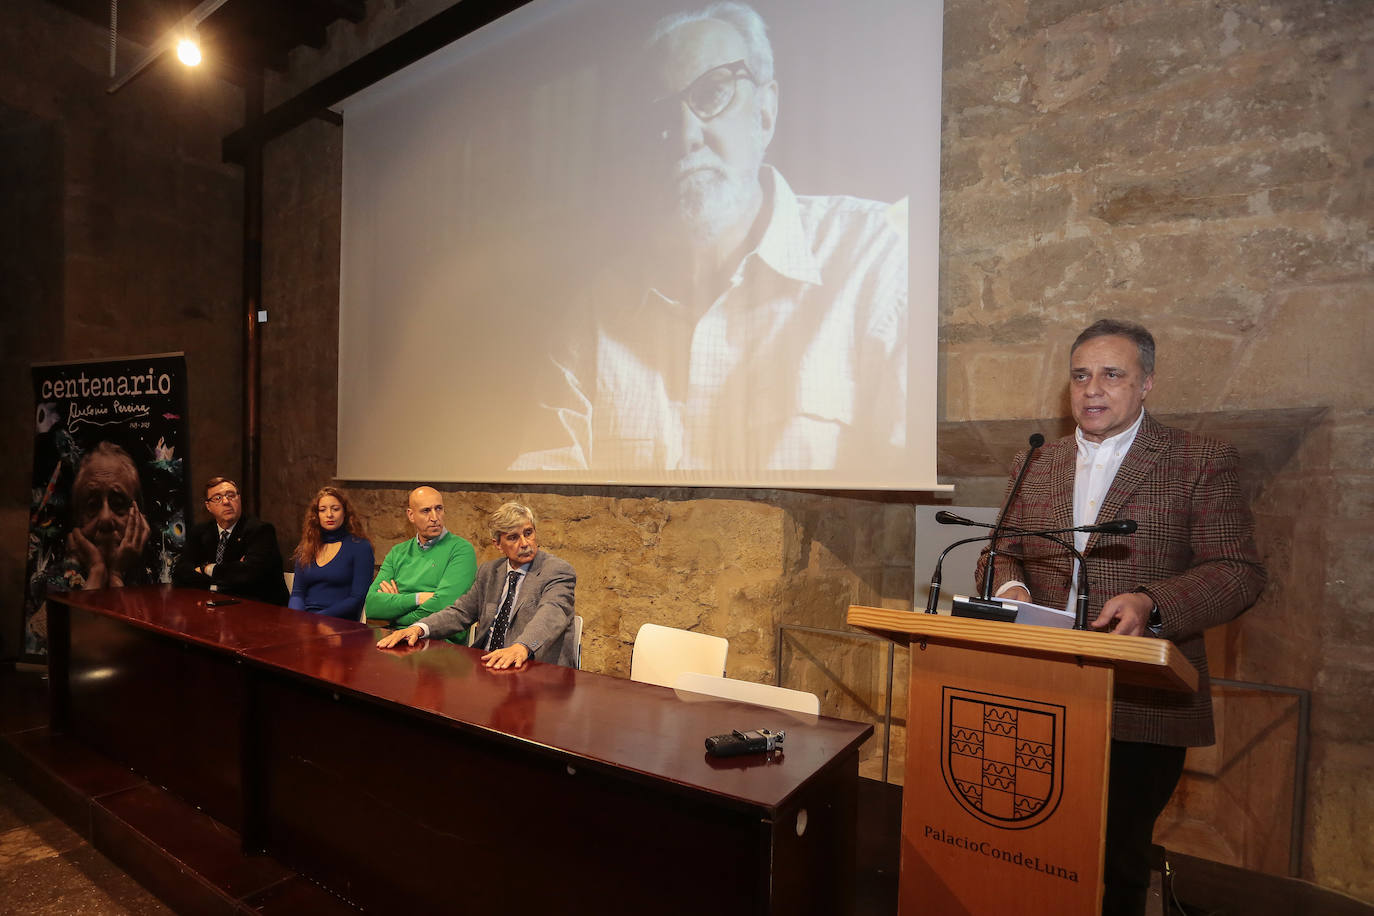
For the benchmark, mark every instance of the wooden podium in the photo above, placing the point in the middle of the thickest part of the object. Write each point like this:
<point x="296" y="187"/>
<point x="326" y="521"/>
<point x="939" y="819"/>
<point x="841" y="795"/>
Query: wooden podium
<point x="1008" y="731"/>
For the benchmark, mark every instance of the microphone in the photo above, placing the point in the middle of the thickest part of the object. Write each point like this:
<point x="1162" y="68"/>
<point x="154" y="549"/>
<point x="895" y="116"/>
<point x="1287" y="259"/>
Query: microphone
<point x="1115" y="526"/>
<point x="1036" y="440"/>
<point x="1081" y="611"/>
<point x="939" y="562"/>
<point x="987" y="604"/>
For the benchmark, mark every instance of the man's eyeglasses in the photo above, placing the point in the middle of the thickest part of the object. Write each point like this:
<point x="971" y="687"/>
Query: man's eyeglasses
<point x="708" y="95"/>
<point x="222" y="497"/>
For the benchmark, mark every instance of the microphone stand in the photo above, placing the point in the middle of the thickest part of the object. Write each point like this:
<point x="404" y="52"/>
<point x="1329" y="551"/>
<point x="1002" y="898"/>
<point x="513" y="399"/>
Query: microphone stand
<point x="935" y="579"/>
<point x="1117" y="526"/>
<point x="1036" y="440"/>
<point x="1080" y="617"/>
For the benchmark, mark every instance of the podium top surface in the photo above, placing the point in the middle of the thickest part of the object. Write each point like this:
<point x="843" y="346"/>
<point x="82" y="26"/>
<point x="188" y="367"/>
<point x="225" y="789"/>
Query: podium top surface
<point x="1137" y="659"/>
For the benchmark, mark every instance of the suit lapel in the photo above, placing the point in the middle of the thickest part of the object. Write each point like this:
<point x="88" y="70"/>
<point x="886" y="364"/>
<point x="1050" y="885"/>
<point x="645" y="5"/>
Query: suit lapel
<point x="522" y="600"/>
<point x="233" y="550"/>
<point x="1062" y="469"/>
<point x="1138" y="464"/>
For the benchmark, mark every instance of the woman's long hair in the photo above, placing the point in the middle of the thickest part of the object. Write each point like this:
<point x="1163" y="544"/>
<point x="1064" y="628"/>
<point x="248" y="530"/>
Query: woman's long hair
<point x="312" y="535"/>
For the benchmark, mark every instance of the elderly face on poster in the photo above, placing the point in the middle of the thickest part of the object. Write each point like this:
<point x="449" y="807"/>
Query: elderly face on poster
<point x="109" y="489"/>
<point x="110" y="531"/>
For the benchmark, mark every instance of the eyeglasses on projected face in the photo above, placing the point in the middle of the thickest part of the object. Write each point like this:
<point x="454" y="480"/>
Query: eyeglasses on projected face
<point x="223" y="497"/>
<point x="706" y="97"/>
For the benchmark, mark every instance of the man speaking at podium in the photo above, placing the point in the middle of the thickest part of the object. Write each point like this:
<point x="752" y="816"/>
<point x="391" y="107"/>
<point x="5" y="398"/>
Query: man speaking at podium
<point x="1191" y="565"/>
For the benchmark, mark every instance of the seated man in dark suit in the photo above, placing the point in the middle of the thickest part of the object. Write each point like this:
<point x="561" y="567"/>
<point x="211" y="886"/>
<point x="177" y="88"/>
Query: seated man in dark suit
<point x="522" y="603"/>
<point x="232" y="553"/>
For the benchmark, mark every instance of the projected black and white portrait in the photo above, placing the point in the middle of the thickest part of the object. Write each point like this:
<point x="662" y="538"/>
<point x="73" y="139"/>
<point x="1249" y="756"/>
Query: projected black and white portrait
<point x="754" y="327"/>
<point x="650" y="243"/>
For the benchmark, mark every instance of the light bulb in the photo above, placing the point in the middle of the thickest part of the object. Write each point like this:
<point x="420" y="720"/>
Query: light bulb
<point x="188" y="52"/>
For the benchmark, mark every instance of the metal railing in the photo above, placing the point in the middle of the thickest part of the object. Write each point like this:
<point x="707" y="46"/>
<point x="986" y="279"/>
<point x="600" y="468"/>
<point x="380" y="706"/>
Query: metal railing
<point x="785" y="628"/>
<point x="1299" y="812"/>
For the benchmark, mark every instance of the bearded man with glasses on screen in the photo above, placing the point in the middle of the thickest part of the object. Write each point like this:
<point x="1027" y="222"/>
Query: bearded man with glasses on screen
<point x="757" y="329"/>
<point x="232" y="553"/>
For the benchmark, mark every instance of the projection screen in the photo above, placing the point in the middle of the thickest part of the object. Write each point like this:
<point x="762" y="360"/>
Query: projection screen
<point x="593" y="244"/>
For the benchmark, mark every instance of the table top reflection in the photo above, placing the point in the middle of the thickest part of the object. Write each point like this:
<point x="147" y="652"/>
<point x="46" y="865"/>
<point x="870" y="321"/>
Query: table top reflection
<point x="639" y="728"/>
<point x="187" y="613"/>
<point x="585" y="718"/>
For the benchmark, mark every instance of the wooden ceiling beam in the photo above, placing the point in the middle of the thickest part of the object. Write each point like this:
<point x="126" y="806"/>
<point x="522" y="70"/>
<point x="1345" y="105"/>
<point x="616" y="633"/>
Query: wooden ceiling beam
<point x="424" y="39"/>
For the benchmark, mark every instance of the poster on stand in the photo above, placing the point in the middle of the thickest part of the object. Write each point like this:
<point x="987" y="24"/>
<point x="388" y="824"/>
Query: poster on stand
<point x="108" y="504"/>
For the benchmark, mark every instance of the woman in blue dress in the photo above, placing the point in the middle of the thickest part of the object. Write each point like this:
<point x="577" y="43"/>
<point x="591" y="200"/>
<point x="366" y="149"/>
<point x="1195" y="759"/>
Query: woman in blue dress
<point x="334" y="561"/>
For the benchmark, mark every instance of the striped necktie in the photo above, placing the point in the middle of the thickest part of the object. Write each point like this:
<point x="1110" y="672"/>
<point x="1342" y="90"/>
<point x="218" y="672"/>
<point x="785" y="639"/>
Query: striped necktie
<point x="502" y="622"/>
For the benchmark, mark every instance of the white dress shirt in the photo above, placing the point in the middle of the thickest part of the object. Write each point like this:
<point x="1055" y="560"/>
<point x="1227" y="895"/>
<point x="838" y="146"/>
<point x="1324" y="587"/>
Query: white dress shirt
<point x="1094" y="471"/>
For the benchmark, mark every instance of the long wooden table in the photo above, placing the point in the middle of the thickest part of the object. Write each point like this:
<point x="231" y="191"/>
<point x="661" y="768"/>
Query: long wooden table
<point x="417" y="780"/>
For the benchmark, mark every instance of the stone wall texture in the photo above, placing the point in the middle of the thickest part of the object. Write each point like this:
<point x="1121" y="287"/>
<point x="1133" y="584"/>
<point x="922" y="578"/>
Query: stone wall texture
<point x="1204" y="167"/>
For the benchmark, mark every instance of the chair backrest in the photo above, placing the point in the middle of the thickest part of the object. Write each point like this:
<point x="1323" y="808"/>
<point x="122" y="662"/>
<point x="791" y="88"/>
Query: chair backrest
<point x="748" y="692"/>
<point x="662" y="653"/>
<point x="577" y="641"/>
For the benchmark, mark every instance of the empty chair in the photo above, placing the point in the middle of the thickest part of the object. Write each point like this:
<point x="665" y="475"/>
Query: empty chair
<point x="662" y="653"/>
<point x="748" y="692"/>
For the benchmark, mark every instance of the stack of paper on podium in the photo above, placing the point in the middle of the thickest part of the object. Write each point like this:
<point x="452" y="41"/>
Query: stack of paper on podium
<point x="1037" y="615"/>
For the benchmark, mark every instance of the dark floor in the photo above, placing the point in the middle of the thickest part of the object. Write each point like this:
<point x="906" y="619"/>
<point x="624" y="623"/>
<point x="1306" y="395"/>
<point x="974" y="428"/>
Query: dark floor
<point x="46" y="867"/>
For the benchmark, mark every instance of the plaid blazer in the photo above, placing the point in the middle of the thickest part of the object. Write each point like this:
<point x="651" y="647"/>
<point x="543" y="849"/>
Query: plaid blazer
<point x="1194" y="554"/>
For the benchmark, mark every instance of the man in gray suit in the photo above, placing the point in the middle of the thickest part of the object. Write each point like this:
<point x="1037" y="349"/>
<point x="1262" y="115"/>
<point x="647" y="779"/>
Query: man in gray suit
<point x="522" y="603"/>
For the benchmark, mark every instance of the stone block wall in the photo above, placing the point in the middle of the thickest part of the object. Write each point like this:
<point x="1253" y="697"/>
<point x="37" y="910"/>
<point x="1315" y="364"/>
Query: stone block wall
<point x="1198" y="166"/>
<point x="1203" y="166"/>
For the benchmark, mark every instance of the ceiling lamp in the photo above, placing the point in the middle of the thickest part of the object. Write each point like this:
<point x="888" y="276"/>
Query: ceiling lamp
<point x="177" y="37"/>
<point x="188" y="50"/>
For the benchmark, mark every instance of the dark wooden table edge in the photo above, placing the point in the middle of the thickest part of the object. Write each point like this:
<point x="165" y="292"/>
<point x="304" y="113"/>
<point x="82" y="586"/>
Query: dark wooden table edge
<point x="246" y="656"/>
<point x="434" y="719"/>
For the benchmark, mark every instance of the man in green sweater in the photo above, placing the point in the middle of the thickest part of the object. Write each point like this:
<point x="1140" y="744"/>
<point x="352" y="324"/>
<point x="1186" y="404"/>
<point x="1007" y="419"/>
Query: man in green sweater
<point x="426" y="573"/>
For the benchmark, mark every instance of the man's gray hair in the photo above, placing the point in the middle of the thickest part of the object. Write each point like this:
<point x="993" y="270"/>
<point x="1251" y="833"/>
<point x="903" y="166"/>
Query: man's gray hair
<point x="740" y="16"/>
<point x="509" y="517"/>
<point x="1113" y="327"/>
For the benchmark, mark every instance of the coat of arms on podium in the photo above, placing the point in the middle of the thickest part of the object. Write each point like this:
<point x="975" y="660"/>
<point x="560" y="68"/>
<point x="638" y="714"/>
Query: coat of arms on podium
<point x="1002" y="757"/>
